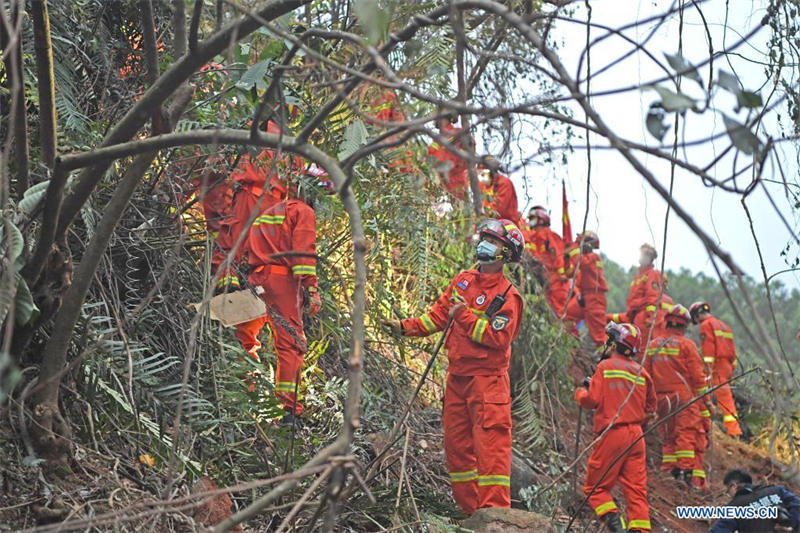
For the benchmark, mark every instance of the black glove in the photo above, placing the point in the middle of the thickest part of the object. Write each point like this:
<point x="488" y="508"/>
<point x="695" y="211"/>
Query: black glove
<point x="587" y="381"/>
<point x="632" y="315"/>
<point x="581" y="301"/>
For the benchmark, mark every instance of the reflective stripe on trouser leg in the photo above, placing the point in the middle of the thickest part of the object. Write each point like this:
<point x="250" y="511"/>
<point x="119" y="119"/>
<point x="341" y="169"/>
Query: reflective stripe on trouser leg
<point x="283" y="297"/>
<point x="633" y="479"/>
<point x="601" y="460"/>
<point x="458" y="446"/>
<point x="724" y="397"/>
<point x="491" y="429"/>
<point x="687" y="424"/>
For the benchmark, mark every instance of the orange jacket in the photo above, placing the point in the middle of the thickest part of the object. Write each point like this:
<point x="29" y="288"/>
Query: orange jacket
<point x="501" y="197"/>
<point x="547" y="246"/>
<point x="455" y="178"/>
<point x="674" y="363"/>
<point x="477" y="344"/>
<point x="571" y="258"/>
<point x="288" y="226"/>
<point x="610" y="386"/>
<point x="386" y="108"/>
<point x="716" y="340"/>
<point x="590" y="274"/>
<point x="644" y="289"/>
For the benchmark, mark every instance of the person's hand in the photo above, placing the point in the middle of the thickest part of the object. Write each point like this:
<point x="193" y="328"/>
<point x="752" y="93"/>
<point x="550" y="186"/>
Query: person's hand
<point x="393" y="325"/>
<point x="458" y="302"/>
<point x="587" y="381"/>
<point x="313" y="301"/>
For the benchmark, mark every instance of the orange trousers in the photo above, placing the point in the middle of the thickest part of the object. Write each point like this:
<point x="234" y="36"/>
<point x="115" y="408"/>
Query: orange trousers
<point x="701" y="443"/>
<point x="477" y="440"/>
<point x="284" y="297"/>
<point x="557" y="295"/>
<point x="593" y="314"/>
<point x="723" y="370"/>
<point x="630" y="471"/>
<point x="680" y="432"/>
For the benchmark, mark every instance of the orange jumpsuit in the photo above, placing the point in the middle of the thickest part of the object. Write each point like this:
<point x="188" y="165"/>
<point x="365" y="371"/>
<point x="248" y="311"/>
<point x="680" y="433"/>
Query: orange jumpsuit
<point x="591" y="284"/>
<point x="288" y="226"/>
<point x="500" y="197"/>
<point x="386" y="108"/>
<point x="477" y="404"/>
<point x="546" y="246"/>
<point x="451" y="168"/>
<point x="643" y="297"/>
<point x="607" y="394"/>
<point x="719" y="353"/>
<point x="677" y="371"/>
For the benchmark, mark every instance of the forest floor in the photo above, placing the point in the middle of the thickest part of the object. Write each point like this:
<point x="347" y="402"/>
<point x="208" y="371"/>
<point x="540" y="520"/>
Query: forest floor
<point x="108" y="482"/>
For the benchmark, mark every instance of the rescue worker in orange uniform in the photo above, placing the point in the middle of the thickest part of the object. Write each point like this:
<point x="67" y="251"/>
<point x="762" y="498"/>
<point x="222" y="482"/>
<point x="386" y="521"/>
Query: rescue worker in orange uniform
<point x="644" y="306"/>
<point x="677" y="370"/>
<point x="623" y="397"/>
<point x="500" y="196"/>
<point x="258" y="183"/>
<point x="451" y="168"/>
<point x="486" y="311"/>
<point x="386" y="110"/>
<point x="719" y="354"/>
<point x="280" y="251"/>
<point x="547" y="247"/>
<point x="589" y="301"/>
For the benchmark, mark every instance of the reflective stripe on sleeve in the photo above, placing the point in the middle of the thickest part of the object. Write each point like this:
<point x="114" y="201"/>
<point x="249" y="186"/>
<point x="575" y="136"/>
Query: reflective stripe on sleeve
<point x="479" y="329"/>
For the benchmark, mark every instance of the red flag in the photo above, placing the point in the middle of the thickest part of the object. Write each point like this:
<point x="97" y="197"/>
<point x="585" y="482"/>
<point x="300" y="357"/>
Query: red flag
<point x="566" y="226"/>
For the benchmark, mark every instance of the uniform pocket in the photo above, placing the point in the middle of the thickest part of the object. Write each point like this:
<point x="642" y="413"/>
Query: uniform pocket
<point x="496" y="410"/>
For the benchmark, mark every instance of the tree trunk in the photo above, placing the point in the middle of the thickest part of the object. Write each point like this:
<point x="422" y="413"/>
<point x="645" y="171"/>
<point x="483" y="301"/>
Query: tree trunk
<point x="43" y="45"/>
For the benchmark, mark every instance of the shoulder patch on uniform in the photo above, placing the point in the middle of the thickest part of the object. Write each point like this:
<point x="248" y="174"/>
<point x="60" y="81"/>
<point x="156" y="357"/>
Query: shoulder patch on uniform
<point x="463" y="284"/>
<point x="499" y="322"/>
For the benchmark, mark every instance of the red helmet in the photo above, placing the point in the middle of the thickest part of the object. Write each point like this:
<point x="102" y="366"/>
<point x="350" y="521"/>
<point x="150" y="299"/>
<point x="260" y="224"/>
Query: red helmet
<point x="624" y="338"/>
<point x="649" y="249"/>
<point x="590" y="238"/>
<point x="540" y="213"/>
<point x="509" y="233"/>
<point x="678" y="316"/>
<point x="697" y="308"/>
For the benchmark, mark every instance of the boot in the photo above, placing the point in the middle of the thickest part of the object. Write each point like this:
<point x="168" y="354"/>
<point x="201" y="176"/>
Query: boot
<point x="686" y="476"/>
<point x="613" y="522"/>
<point x="290" y="419"/>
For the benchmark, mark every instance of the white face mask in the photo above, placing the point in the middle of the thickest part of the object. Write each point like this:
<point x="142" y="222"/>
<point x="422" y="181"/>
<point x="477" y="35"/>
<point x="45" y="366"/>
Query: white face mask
<point x="645" y="260"/>
<point x="485" y="176"/>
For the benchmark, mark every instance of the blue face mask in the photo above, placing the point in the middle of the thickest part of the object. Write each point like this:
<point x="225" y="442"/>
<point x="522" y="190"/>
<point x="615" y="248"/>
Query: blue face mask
<point x="487" y="252"/>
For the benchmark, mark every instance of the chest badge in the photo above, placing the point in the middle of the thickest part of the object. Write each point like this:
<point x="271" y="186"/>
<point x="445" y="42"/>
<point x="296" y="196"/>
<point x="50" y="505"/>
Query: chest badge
<point x="480" y="300"/>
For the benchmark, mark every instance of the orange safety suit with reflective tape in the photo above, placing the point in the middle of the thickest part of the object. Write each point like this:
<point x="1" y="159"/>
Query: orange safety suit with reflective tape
<point x="500" y="198"/>
<point x="261" y="182"/>
<point x="477" y="404"/>
<point x="451" y="168"/>
<point x="699" y="477"/>
<point x="591" y="285"/>
<point x="386" y="108"/>
<point x="608" y="395"/>
<point x="288" y="226"/>
<point x="643" y="298"/>
<point x="719" y="353"/>
<point x="674" y="363"/>
<point x="546" y="246"/>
